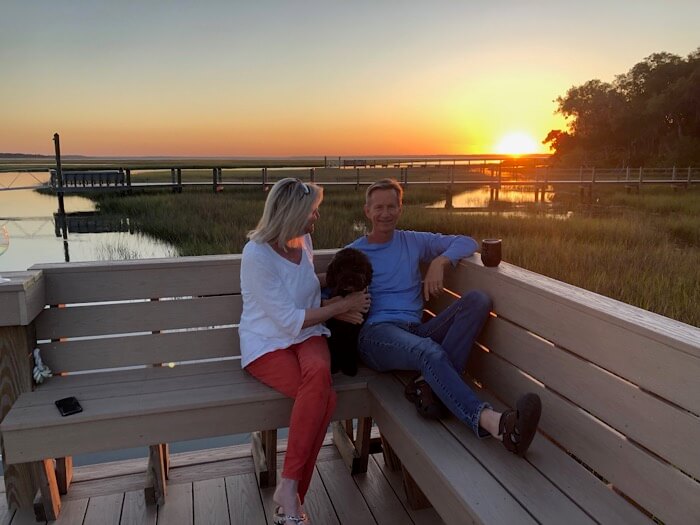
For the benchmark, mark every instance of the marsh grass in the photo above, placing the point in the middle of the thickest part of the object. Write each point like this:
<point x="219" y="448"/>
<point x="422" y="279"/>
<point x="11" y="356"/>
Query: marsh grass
<point x="640" y="249"/>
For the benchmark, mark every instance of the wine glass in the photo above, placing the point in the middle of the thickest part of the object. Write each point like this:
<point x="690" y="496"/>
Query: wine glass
<point x="4" y="245"/>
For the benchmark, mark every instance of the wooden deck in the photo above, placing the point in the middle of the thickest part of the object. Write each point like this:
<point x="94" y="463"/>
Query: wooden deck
<point x="218" y="486"/>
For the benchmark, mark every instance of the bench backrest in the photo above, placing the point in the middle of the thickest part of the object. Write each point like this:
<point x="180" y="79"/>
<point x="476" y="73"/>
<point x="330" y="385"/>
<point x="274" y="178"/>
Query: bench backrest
<point x="620" y="386"/>
<point x="131" y="313"/>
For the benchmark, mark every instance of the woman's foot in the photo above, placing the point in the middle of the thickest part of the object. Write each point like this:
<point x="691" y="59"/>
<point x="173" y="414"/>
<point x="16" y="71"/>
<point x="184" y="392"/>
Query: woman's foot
<point x="289" y="511"/>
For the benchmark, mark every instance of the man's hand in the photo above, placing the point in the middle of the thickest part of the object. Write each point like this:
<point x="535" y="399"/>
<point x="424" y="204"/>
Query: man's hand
<point x="433" y="282"/>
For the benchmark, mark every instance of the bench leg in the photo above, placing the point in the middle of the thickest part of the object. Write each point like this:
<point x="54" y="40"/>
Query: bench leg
<point x="157" y="487"/>
<point x="64" y="474"/>
<point x="390" y="458"/>
<point x="47" y="504"/>
<point x="355" y="452"/>
<point x="264" y="450"/>
<point x="165" y="456"/>
<point x="414" y="495"/>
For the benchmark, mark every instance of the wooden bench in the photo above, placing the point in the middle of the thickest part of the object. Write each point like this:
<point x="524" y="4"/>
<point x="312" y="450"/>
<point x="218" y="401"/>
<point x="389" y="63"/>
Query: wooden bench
<point x="620" y="390"/>
<point x="619" y="433"/>
<point x="134" y="342"/>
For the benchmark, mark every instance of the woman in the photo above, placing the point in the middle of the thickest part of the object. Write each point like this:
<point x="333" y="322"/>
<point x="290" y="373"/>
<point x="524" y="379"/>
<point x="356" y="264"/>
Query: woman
<point x="282" y="338"/>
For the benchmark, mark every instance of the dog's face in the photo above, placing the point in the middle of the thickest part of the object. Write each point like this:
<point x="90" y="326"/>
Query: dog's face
<point x="349" y="271"/>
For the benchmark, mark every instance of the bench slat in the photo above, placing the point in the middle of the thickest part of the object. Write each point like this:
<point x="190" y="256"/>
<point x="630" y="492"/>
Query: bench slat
<point x="589" y="492"/>
<point x="108" y="319"/>
<point x="166" y="381"/>
<point x="545" y="501"/>
<point x="144" y="279"/>
<point x="455" y="483"/>
<point x="93" y="354"/>
<point x="573" y="321"/>
<point x="84" y="282"/>
<point x="655" y="485"/>
<point x="631" y="411"/>
<point x="139" y="420"/>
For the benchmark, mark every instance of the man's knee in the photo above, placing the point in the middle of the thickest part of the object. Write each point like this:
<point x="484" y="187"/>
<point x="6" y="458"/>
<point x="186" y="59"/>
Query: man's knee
<point x="431" y="352"/>
<point x="479" y="301"/>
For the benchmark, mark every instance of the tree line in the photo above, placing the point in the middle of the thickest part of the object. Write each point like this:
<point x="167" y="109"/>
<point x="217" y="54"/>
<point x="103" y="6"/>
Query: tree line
<point x="649" y="116"/>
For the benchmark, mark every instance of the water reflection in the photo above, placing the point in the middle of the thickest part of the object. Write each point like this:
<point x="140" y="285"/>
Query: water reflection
<point x="481" y="197"/>
<point x="37" y="233"/>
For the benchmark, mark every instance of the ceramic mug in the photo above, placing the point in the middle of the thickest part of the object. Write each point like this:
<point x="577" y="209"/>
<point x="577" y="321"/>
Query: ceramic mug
<point x="491" y="252"/>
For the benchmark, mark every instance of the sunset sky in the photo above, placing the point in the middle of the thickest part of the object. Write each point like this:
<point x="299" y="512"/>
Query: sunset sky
<point x="278" y="78"/>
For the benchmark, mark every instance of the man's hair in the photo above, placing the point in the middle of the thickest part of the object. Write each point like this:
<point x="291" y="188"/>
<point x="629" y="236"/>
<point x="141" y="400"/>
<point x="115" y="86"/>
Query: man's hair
<point x="385" y="184"/>
<point x="286" y="211"/>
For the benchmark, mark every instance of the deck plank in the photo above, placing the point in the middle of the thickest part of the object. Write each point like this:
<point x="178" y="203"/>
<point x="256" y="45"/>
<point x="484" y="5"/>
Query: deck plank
<point x="6" y="514"/>
<point x="346" y="498"/>
<point x="317" y="503"/>
<point x="73" y="512"/>
<point x="177" y="509"/>
<point x="210" y="505"/>
<point x="244" y="501"/>
<point x="104" y="510"/>
<point x="395" y="479"/>
<point x="380" y="497"/>
<point x="25" y="517"/>
<point x="136" y="512"/>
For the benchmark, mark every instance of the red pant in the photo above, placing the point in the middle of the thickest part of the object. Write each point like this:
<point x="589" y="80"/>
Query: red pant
<point x="301" y="372"/>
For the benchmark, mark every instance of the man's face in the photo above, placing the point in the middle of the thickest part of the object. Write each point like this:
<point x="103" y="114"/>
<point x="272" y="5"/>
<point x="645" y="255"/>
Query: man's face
<point x="383" y="210"/>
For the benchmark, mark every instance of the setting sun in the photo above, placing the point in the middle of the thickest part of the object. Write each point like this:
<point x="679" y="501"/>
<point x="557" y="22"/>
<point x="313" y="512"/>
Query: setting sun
<point x="517" y="143"/>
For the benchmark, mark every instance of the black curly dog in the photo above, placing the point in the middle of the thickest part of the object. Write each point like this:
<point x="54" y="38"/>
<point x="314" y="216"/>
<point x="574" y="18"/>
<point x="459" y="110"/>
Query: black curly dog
<point x="349" y="271"/>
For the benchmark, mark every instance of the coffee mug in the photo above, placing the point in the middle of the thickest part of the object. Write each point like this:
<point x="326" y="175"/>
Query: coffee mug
<point x="491" y="252"/>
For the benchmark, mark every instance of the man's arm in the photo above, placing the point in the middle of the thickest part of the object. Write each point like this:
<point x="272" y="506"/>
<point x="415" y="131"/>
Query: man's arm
<point x="442" y="250"/>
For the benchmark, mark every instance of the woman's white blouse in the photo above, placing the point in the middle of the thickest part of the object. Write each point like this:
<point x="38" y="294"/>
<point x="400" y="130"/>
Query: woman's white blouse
<point x="276" y="293"/>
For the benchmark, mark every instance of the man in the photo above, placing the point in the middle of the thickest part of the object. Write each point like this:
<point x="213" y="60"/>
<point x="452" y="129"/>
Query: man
<point x="393" y="336"/>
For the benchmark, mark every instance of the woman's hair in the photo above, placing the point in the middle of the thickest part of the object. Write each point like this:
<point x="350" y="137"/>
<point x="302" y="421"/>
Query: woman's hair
<point x="385" y="184"/>
<point x="286" y="212"/>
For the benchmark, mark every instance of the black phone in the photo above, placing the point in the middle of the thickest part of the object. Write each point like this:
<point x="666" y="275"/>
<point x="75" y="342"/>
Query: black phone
<point x="68" y="406"/>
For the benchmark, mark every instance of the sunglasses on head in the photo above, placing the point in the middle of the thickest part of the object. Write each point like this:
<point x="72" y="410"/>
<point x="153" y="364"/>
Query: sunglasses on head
<point x="305" y="188"/>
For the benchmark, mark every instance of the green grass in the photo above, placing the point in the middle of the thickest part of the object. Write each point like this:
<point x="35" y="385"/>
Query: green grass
<point x="640" y="249"/>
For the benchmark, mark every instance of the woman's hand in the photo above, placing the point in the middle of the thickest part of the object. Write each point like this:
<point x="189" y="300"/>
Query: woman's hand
<point x="357" y="302"/>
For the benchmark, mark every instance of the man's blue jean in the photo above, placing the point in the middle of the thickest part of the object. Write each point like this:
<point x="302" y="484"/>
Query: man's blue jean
<point x="438" y="348"/>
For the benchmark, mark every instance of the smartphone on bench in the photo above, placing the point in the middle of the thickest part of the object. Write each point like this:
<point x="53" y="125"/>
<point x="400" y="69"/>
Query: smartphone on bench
<point x="68" y="406"/>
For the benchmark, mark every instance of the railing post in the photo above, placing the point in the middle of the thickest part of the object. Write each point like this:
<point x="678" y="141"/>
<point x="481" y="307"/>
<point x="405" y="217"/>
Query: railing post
<point x="641" y="179"/>
<point x="59" y="174"/>
<point x="312" y="174"/>
<point x="179" y="180"/>
<point x="128" y="180"/>
<point x="357" y="179"/>
<point x="673" y="173"/>
<point x="25" y="291"/>
<point x="688" y="183"/>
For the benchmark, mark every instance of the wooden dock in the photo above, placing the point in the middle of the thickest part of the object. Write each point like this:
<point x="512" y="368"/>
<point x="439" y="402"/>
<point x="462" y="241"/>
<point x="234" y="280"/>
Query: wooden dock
<point x="217" y="486"/>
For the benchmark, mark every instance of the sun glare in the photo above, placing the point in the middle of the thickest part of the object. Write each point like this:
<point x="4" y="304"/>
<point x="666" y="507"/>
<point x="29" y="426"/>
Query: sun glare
<point x="516" y="143"/>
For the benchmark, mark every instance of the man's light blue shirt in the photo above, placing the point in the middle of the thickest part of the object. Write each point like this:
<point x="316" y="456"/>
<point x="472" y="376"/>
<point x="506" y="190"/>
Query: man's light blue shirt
<point x="396" y="289"/>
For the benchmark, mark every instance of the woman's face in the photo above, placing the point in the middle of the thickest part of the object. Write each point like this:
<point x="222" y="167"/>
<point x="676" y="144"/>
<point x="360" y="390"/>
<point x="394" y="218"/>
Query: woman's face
<point x="313" y="217"/>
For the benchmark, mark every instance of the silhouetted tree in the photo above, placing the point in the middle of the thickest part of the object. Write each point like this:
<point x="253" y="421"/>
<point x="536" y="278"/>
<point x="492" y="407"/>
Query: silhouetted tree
<point x="649" y="115"/>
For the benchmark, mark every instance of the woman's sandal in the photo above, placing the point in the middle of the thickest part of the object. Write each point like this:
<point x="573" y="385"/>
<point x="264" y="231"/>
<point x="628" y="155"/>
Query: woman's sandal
<point x="281" y="519"/>
<point x="519" y="426"/>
